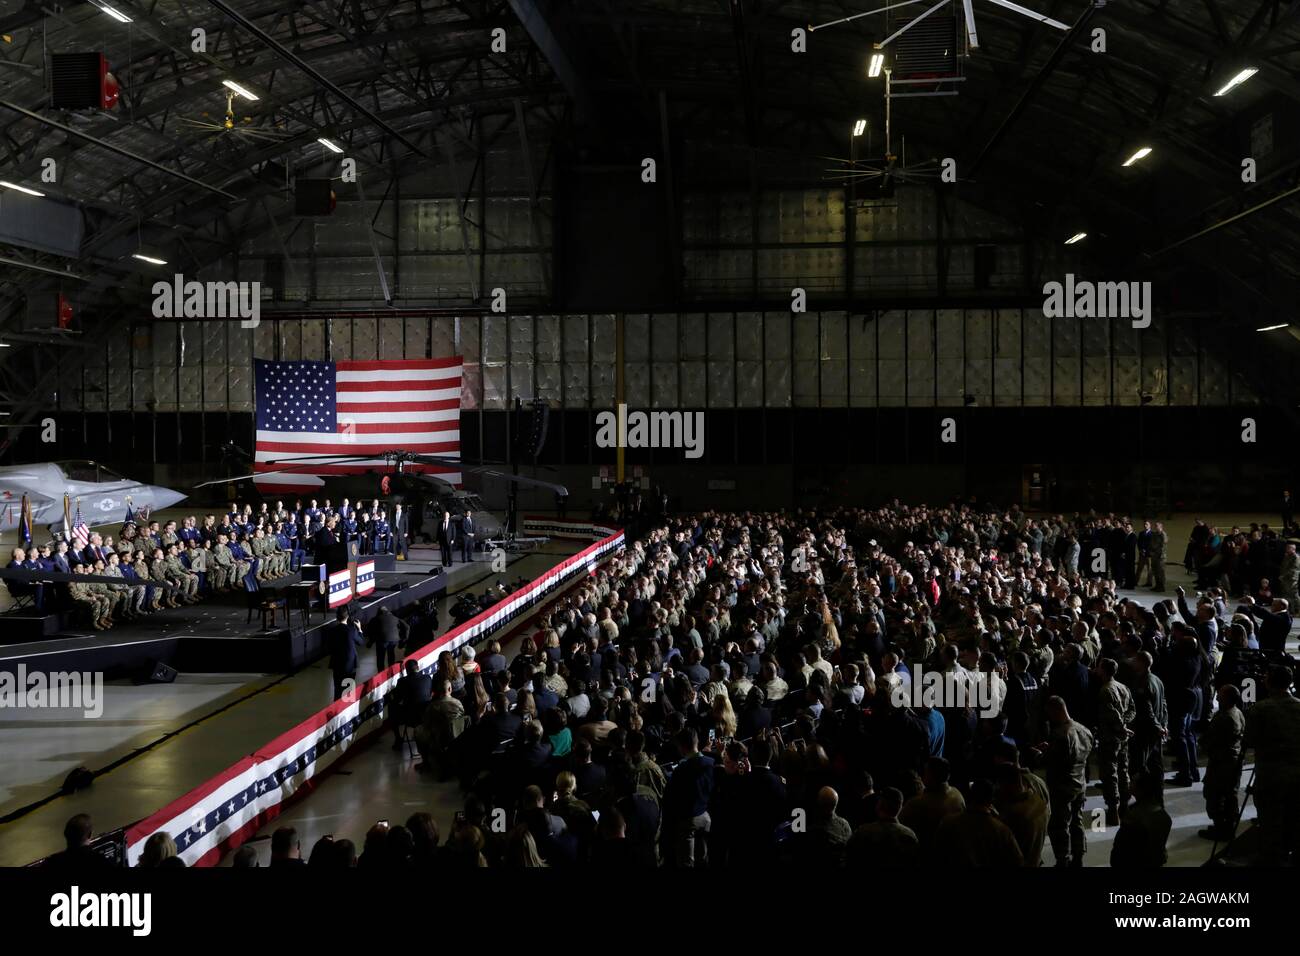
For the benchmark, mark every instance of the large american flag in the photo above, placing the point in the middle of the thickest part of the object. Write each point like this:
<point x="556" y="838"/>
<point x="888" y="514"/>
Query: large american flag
<point x="354" y="408"/>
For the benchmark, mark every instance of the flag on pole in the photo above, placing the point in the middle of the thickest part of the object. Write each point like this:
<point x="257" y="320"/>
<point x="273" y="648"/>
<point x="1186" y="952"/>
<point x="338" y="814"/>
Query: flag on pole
<point x="80" y="533"/>
<point x="25" y="523"/>
<point x="130" y="513"/>
<point x="67" y="517"/>
<point x="360" y="409"/>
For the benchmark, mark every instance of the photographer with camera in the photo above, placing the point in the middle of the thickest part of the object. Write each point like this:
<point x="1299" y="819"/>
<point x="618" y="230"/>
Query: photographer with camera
<point x="1273" y="731"/>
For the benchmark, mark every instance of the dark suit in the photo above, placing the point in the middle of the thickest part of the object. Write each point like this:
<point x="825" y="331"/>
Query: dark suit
<point x="444" y="540"/>
<point x="401" y="523"/>
<point x="343" y="639"/>
<point x="466" y="538"/>
<point x="387" y="631"/>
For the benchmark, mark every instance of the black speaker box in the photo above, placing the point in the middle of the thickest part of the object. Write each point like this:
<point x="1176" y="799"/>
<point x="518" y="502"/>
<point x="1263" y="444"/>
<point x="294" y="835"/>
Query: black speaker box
<point x="77" y="81"/>
<point x="312" y="197"/>
<point x="160" y="673"/>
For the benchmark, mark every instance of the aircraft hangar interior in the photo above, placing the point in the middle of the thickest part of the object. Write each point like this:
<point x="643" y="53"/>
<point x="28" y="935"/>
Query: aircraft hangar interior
<point x="812" y="438"/>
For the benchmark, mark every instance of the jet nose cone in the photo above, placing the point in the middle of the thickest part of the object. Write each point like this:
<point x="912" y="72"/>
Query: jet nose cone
<point x="165" y="497"/>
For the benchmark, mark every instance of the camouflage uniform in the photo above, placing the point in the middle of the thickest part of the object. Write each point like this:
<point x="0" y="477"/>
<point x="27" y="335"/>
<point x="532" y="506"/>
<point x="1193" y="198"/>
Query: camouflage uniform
<point x="187" y="581"/>
<point x="158" y="573"/>
<point x="97" y="606"/>
<point x="199" y="564"/>
<point x="105" y="601"/>
<point x="223" y="566"/>
<point x="119" y="594"/>
<point x="1069" y="745"/>
<point x="1115" y="712"/>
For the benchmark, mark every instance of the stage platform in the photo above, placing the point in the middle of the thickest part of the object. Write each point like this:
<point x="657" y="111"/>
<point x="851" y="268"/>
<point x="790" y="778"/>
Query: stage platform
<point x="222" y="634"/>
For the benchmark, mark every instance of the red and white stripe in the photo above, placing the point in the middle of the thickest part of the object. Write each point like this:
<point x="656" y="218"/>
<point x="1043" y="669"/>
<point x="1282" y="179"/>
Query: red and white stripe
<point x="410" y="404"/>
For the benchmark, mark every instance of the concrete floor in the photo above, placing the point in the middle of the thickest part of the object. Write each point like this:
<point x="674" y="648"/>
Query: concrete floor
<point x="38" y="748"/>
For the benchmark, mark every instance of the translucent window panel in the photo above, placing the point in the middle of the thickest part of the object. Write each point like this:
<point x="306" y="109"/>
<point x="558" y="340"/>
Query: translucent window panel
<point x="93" y="381"/>
<point x="216" y="381"/>
<point x="290" y="333"/>
<point x="548" y="338"/>
<point x="663" y="385"/>
<point x="142" y="388"/>
<point x="548" y="382"/>
<point x="604" y="345"/>
<point x="189" y="376"/>
<point x="494" y="386"/>
<point x="694" y="331"/>
<point x="602" y="384"/>
<point x="1214" y="381"/>
<point x="392" y="338"/>
<point x="950" y="385"/>
<point x="721" y="336"/>
<point x="1037" y="333"/>
<point x="920" y="358"/>
<point x="241" y="389"/>
<point x="835" y="382"/>
<point x="890" y="345"/>
<point x="722" y="384"/>
<point x="443" y="342"/>
<point x="577" y="388"/>
<point x="162" y="345"/>
<point x="1066" y="368"/>
<point x="1126" y="384"/>
<point x="340" y="332"/>
<point x="1096" y="379"/>
<point x="1096" y="335"/>
<point x="776" y="333"/>
<point x="264" y="338"/>
<point x="417" y="338"/>
<point x="721" y="351"/>
<point x="494" y="339"/>
<point x="471" y="387"/>
<point x="1154" y="375"/>
<point x="1242" y="392"/>
<point x="693" y="384"/>
<point x="776" y="383"/>
<point x="520" y="334"/>
<point x="807" y="388"/>
<point x="365" y="340"/>
<point x="749" y="336"/>
<point x="664" y="337"/>
<point x="521" y="380"/>
<point x="1007" y="358"/>
<point x="313" y="340"/>
<point x="636" y="384"/>
<point x="749" y="384"/>
<point x="806" y="336"/>
<point x="862" y="360"/>
<point x="636" y="337"/>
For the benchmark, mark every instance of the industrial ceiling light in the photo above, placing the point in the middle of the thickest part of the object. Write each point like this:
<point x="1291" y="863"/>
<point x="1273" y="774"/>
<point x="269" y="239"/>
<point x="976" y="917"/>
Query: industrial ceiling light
<point x="113" y="12"/>
<point x="1274" y="328"/>
<point x="153" y="260"/>
<point x="1237" y="80"/>
<point x="22" y="189"/>
<point x="859" y="127"/>
<point x="1077" y="237"/>
<point x="331" y="146"/>
<point x="876" y="65"/>
<point x="242" y="91"/>
<point x="1142" y="153"/>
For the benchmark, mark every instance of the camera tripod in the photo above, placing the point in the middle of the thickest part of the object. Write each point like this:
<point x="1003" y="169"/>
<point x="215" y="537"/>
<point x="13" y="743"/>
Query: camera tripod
<point x="1216" y="855"/>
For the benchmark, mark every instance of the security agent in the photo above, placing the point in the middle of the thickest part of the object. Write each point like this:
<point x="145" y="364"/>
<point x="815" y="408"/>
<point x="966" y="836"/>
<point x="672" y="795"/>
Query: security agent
<point x="343" y="637"/>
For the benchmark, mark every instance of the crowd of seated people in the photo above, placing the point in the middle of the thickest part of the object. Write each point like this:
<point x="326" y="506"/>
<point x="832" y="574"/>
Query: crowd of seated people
<point x="745" y="689"/>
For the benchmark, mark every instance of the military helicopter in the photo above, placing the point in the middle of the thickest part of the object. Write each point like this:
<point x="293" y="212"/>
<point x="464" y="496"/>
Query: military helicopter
<point x="104" y="492"/>
<point x="425" y="496"/>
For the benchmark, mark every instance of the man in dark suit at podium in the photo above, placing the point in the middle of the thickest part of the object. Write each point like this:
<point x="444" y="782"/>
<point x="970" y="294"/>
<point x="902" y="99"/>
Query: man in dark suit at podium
<point x="444" y="538"/>
<point x="467" y="537"/>
<point x="325" y="539"/>
<point x="342" y="638"/>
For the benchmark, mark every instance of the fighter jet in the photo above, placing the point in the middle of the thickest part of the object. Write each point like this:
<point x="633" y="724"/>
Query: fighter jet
<point x="100" y="493"/>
